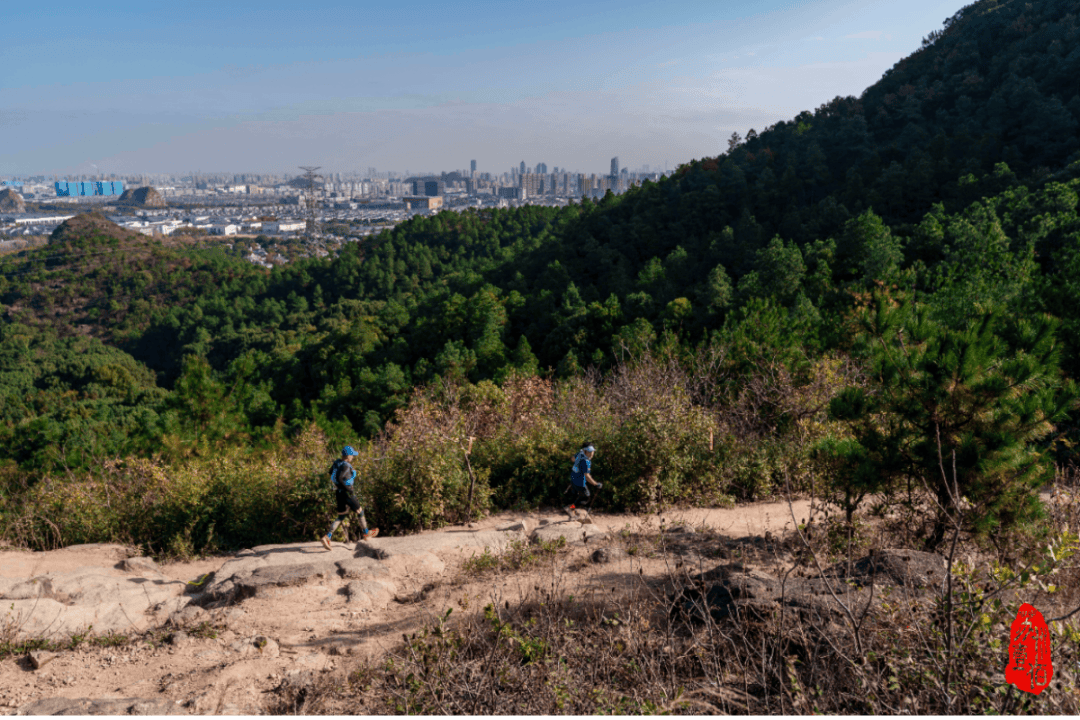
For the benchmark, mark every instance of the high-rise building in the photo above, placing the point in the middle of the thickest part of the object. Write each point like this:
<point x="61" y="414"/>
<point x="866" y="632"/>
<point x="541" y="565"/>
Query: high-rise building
<point x="541" y="168"/>
<point x="532" y="183"/>
<point x="472" y="168"/>
<point x="615" y="166"/>
<point x="522" y="167"/>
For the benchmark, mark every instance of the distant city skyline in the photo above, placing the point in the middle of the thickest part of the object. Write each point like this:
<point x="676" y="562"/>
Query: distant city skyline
<point x="262" y="87"/>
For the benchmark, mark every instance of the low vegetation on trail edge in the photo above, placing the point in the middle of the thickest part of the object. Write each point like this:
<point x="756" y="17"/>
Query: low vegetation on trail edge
<point x="939" y="650"/>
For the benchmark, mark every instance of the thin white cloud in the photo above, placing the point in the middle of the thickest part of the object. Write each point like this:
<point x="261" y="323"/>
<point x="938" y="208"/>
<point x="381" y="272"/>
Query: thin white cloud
<point x="866" y="35"/>
<point x="669" y="63"/>
<point x="816" y="38"/>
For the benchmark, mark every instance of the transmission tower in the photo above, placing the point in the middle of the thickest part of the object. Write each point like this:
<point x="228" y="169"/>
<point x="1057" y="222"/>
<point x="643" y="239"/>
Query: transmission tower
<point x="312" y="228"/>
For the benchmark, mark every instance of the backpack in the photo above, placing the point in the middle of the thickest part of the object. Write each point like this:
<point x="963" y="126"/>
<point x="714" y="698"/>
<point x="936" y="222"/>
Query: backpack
<point x="338" y="482"/>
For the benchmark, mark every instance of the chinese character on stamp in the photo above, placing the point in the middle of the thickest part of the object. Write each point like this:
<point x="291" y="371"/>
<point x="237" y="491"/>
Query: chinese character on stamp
<point x="1029" y="668"/>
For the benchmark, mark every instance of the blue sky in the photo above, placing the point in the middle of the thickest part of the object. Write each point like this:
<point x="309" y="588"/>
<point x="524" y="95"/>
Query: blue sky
<point x="422" y="86"/>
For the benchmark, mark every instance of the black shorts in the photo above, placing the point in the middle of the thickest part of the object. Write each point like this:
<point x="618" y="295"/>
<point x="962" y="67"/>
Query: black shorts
<point x="581" y="494"/>
<point x="346" y="499"/>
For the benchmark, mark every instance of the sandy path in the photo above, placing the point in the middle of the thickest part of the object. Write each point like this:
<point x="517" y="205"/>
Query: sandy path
<point x="314" y="626"/>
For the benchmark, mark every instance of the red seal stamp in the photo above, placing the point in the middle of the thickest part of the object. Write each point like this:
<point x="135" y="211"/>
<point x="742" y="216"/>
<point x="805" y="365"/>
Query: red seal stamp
<point x="1030" y="668"/>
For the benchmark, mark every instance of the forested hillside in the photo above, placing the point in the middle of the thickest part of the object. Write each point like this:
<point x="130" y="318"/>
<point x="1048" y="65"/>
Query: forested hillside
<point x="949" y="187"/>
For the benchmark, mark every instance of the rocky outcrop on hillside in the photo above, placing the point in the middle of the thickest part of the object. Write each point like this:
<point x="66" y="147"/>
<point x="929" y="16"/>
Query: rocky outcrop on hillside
<point x="11" y="201"/>
<point x="134" y="595"/>
<point x="142" y="197"/>
<point x="734" y="592"/>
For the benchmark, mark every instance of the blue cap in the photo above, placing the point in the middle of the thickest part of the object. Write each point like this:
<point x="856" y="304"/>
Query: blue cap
<point x="590" y="448"/>
<point x="349" y="451"/>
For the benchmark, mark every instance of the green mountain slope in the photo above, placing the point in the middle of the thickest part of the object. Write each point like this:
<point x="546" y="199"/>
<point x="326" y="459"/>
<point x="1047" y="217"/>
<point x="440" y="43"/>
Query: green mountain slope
<point x="952" y="179"/>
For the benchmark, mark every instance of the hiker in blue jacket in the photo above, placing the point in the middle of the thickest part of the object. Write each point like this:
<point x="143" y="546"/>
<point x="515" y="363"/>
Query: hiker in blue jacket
<point x="580" y="479"/>
<point x="342" y="476"/>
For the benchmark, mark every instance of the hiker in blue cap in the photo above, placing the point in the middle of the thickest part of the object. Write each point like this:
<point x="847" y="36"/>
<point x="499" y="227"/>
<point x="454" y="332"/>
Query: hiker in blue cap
<point x="580" y="479"/>
<point x="342" y="476"/>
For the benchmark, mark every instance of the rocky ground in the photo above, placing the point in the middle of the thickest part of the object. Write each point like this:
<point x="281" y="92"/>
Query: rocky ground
<point x="218" y="635"/>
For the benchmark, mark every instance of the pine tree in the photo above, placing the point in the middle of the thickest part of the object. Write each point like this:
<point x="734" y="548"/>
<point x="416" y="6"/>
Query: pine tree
<point x="957" y="412"/>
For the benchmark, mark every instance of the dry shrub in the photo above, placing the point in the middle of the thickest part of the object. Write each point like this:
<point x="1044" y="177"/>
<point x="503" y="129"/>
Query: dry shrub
<point x="669" y="430"/>
<point x="940" y="650"/>
<point x="191" y="506"/>
<point x="419" y="470"/>
<point x="770" y="422"/>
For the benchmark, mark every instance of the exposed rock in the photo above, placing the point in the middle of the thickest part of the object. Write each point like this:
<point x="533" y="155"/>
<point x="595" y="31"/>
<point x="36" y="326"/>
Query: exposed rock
<point x="39" y="587"/>
<point x="523" y="526"/>
<point x="908" y="568"/>
<point x="143" y="197"/>
<point x="574" y="532"/>
<point x="266" y="578"/>
<point x="733" y="591"/>
<point x="753" y="610"/>
<point x="225" y="585"/>
<point x="11" y="201"/>
<point x="103" y="598"/>
<point x="382" y="548"/>
<point x="370" y="593"/>
<point x="7" y="583"/>
<point x="260" y="645"/>
<point x="607" y="554"/>
<point x="40" y="658"/>
<point x="88" y="706"/>
<point x="190" y="615"/>
<point x="143" y="565"/>
<point x="818" y="608"/>
<point x="362" y="568"/>
<point x="418" y="596"/>
<point x="419" y="564"/>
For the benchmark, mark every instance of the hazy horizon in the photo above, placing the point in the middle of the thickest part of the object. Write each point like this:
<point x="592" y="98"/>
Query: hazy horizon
<point x="266" y="87"/>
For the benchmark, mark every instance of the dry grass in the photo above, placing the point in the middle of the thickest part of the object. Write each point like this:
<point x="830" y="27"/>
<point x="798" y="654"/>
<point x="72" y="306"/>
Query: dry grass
<point x="635" y="650"/>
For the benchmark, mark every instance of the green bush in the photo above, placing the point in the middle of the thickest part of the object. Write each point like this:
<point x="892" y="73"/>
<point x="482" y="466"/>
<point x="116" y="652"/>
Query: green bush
<point x="964" y="413"/>
<point x="419" y="478"/>
<point x="231" y="501"/>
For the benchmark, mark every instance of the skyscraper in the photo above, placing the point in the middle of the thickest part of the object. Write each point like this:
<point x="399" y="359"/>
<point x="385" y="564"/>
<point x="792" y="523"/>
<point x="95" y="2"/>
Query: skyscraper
<point x="533" y="184"/>
<point x="522" y="170"/>
<point x="472" y="168"/>
<point x="615" y="166"/>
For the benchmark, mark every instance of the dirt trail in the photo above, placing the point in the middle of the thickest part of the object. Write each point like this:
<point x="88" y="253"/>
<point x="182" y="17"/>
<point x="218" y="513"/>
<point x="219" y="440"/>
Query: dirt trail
<point x="318" y="621"/>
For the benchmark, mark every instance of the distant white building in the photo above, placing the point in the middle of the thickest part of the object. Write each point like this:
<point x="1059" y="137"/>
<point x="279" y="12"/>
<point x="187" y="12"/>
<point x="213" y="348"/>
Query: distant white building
<point x="46" y="220"/>
<point x="227" y="229"/>
<point x="284" y="227"/>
